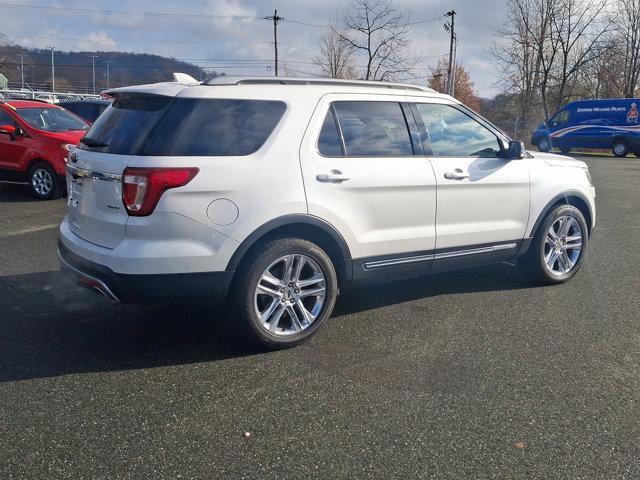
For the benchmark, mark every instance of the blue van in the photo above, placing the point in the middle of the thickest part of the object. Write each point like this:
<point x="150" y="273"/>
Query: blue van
<point x="611" y="123"/>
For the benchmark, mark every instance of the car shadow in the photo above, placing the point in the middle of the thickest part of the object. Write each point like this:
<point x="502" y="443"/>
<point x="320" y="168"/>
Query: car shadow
<point x="50" y="327"/>
<point x="12" y="192"/>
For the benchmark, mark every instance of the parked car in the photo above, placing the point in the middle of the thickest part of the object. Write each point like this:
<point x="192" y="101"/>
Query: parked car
<point x="611" y="124"/>
<point x="89" y="109"/>
<point x="275" y="194"/>
<point x="35" y="141"/>
<point x="48" y="98"/>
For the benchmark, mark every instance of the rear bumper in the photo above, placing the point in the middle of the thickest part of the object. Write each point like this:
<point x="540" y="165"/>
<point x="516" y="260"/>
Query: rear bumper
<point x="147" y="289"/>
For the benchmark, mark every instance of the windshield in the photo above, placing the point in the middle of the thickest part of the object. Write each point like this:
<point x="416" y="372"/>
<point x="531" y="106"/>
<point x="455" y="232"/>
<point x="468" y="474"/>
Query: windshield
<point x="51" y="119"/>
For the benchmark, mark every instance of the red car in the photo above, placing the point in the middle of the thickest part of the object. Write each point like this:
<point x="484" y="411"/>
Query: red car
<point x="35" y="141"/>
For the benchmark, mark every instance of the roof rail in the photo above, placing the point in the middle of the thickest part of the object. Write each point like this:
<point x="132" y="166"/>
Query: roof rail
<point x="239" y="80"/>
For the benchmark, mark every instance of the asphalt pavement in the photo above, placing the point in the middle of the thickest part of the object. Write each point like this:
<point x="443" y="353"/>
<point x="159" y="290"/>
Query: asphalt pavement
<point x="467" y="375"/>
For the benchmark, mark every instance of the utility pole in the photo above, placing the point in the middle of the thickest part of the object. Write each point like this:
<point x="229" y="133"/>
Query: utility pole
<point x="53" y="70"/>
<point x="275" y="18"/>
<point x="22" y="72"/>
<point x="451" y="29"/>
<point x="93" y="71"/>
<point x="455" y="66"/>
<point x="108" y="75"/>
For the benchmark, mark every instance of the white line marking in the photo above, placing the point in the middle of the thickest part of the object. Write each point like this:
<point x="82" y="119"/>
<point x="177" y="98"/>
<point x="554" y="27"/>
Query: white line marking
<point x="40" y="228"/>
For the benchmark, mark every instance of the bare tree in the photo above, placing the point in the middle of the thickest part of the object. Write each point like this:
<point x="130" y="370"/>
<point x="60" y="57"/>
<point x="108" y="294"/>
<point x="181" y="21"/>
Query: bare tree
<point x="379" y="32"/>
<point x="628" y="19"/>
<point x="336" y="56"/>
<point x="579" y="27"/>
<point x="546" y="47"/>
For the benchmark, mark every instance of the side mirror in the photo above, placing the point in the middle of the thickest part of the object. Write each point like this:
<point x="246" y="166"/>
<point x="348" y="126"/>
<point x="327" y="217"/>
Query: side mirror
<point x="516" y="150"/>
<point x="9" y="130"/>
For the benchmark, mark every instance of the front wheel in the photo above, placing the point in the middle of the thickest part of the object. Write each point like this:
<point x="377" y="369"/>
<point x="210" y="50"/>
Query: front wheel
<point x="544" y="145"/>
<point x="285" y="290"/>
<point x="558" y="247"/>
<point x="44" y="182"/>
<point x="620" y="148"/>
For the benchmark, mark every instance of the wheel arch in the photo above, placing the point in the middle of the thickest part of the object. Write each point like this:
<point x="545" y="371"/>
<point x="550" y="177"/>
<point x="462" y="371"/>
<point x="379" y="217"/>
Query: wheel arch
<point x="303" y="226"/>
<point x="35" y="160"/>
<point x="570" y="197"/>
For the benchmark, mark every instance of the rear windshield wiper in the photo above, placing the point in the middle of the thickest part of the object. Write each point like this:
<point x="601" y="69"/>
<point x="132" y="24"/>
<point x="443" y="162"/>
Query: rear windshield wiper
<point x="92" y="142"/>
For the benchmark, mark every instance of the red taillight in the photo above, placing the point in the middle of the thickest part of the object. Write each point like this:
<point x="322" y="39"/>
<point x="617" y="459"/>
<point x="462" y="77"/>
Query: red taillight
<point x="143" y="187"/>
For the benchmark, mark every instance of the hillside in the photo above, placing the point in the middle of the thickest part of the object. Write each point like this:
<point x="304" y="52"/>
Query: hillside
<point x="73" y="70"/>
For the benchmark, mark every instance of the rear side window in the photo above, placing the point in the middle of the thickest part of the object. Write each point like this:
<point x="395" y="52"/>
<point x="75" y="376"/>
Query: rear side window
<point x="373" y="129"/>
<point x="125" y="125"/>
<point x="329" y="140"/>
<point x="216" y="127"/>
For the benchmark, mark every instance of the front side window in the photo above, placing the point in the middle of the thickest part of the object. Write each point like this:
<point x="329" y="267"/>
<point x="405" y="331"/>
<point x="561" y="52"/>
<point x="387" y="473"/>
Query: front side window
<point x="51" y="119"/>
<point x="453" y="133"/>
<point x="5" y="119"/>
<point x="560" y="119"/>
<point x="373" y="129"/>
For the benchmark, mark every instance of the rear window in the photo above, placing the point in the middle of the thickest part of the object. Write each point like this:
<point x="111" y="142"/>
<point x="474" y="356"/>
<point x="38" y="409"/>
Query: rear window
<point x="216" y="127"/>
<point x="126" y="124"/>
<point x="163" y="126"/>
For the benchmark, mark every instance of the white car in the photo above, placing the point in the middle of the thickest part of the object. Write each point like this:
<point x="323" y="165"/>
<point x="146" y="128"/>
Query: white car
<point x="275" y="193"/>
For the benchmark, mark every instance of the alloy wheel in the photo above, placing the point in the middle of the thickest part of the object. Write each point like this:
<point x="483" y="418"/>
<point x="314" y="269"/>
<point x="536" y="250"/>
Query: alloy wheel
<point x="563" y="245"/>
<point x="290" y="295"/>
<point x="42" y="181"/>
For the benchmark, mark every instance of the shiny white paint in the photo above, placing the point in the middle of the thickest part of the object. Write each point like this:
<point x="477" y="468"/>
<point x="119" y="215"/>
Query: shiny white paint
<point x="389" y="206"/>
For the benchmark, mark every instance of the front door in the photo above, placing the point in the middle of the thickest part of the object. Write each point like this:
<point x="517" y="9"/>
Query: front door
<point x="483" y="199"/>
<point x="11" y="151"/>
<point x="362" y="176"/>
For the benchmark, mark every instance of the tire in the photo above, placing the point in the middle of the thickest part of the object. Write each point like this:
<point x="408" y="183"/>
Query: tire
<point x="541" y="264"/>
<point x="565" y="150"/>
<point x="544" y="145"/>
<point x="620" y="148"/>
<point x="44" y="183"/>
<point x="277" y="297"/>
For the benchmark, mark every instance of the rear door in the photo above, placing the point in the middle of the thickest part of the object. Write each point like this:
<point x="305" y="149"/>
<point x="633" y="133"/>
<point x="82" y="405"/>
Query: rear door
<point x="94" y="179"/>
<point x="362" y="176"/>
<point x="483" y="199"/>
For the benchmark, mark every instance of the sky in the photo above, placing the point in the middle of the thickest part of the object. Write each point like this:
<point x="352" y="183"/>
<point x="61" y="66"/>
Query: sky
<point x="230" y="36"/>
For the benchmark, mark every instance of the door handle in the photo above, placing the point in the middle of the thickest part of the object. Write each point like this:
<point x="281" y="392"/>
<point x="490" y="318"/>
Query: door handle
<point x="457" y="174"/>
<point x="334" y="176"/>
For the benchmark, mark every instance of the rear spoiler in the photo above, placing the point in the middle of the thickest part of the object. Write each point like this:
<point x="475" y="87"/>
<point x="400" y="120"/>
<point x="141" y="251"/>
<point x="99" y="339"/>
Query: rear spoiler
<point x="169" y="89"/>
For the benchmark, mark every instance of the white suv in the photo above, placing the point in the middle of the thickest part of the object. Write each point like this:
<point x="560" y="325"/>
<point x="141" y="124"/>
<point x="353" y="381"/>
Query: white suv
<point x="275" y="193"/>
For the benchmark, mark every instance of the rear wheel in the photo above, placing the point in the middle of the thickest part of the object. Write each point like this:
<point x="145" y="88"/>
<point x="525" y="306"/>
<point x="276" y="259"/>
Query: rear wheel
<point x="44" y="182"/>
<point x="284" y="292"/>
<point x="620" y="148"/>
<point x="558" y="247"/>
<point x="544" y="145"/>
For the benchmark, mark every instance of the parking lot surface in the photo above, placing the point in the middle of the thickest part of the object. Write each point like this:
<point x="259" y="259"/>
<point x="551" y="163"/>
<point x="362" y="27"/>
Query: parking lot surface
<point x="474" y="374"/>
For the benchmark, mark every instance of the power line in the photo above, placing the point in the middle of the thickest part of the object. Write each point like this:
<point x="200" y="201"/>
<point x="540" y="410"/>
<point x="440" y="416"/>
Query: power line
<point x="124" y="12"/>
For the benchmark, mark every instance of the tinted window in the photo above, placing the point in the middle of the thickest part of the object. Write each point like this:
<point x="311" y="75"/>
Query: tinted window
<point x="215" y="127"/>
<point x="560" y="118"/>
<point x="5" y="119"/>
<point x="51" y="119"/>
<point x="126" y="123"/>
<point x="374" y="129"/>
<point x="453" y="133"/>
<point x="329" y="140"/>
<point x="85" y="110"/>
